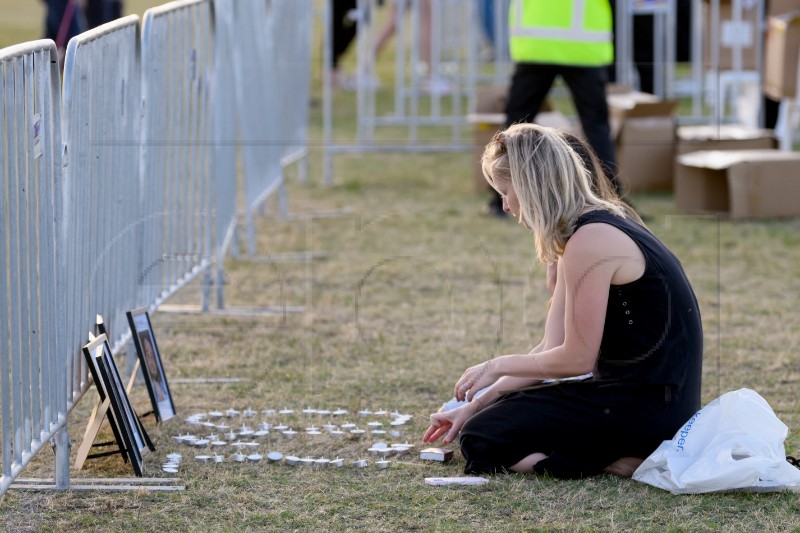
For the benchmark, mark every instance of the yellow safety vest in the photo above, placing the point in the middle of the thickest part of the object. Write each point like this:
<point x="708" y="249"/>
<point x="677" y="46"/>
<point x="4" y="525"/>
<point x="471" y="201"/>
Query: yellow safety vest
<point x="561" y="32"/>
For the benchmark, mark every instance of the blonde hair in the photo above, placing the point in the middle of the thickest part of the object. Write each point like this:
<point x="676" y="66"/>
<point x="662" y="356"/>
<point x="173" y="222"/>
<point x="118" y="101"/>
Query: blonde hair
<point x="550" y="180"/>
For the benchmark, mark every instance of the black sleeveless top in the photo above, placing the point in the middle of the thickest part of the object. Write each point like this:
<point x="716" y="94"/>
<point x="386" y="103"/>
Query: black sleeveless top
<point x="653" y="333"/>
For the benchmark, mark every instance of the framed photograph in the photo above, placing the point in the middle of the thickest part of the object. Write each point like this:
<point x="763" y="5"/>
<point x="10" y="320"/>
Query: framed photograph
<point x="130" y="435"/>
<point x="152" y="367"/>
<point x="88" y="353"/>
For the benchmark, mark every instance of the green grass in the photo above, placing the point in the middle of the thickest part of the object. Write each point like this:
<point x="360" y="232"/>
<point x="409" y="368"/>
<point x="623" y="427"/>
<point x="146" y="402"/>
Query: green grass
<point x="415" y="286"/>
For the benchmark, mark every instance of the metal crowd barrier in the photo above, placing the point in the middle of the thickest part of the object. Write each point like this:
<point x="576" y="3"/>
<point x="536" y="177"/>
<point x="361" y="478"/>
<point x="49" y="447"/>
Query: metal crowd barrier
<point x="434" y="83"/>
<point x="101" y="110"/>
<point x="33" y="384"/>
<point x="293" y="62"/>
<point x="175" y="178"/>
<point x="147" y="202"/>
<point x="225" y="147"/>
<point x="254" y="63"/>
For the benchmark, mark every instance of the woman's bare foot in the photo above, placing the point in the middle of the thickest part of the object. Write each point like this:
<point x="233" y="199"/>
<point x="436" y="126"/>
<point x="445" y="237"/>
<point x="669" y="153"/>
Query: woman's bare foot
<point x="623" y="467"/>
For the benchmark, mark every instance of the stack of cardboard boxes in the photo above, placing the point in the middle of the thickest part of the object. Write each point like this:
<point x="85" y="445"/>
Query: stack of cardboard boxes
<point x="737" y="172"/>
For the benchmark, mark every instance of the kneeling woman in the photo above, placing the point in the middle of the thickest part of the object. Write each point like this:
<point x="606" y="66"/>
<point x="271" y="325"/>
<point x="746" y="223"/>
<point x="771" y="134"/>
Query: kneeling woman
<point x="623" y="310"/>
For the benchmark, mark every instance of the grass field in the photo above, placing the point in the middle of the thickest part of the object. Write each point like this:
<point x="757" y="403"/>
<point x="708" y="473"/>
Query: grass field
<point x="413" y="285"/>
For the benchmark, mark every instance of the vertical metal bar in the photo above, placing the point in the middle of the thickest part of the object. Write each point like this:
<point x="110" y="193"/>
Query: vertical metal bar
<point x="27" y="251"/>
<point x="5" y="256"/>
<point x="15" y="201"/>
<point x="698" y="83"/>
<point x="415" y="78"/>
<point x="659" y="54"/>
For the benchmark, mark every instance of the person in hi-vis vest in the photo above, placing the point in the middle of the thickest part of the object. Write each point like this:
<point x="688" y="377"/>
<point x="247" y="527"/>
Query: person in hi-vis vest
<point x="570" y="38"/>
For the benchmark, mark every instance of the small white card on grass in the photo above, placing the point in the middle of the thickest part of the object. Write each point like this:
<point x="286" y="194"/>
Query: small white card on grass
<point x="436" y="454"/>
<point x="456" y="480"/>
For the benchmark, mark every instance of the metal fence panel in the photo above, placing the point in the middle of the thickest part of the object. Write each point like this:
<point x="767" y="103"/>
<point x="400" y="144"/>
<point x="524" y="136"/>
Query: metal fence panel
<point x="175" y="171"/>
<point x="436" y="74"/>
<point x="258" y="110"/>
<point x="33" y="398"/>
<point x="101" y="102"/>
<point x="225" y="145"/>
<point x="293" y="62"/>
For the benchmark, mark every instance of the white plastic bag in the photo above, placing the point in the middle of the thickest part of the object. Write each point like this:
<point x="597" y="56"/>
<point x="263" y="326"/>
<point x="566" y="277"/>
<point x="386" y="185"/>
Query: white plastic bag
<point x="733" y="443"/>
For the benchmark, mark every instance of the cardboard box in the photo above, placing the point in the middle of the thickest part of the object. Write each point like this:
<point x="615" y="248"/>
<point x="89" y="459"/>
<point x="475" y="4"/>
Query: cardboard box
<point x="739" y="184"/>
<point x="782" y="55"/>
<point x="723" y="137"/>
<point x="643" y="128"/>
<point x="731" y="33"/>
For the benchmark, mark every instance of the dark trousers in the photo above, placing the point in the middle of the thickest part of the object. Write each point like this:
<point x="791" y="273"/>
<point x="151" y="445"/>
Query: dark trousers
<point x="529" y="87"/>
<point x="344" y="29"/>
<point x="60" y="13"/>
<point x="101" y="11"/>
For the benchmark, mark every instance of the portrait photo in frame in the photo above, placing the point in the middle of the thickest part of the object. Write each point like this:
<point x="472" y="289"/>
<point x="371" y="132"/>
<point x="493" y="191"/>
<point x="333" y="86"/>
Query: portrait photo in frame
<point x="131" y="436"/>
<point x="152" y="366"/>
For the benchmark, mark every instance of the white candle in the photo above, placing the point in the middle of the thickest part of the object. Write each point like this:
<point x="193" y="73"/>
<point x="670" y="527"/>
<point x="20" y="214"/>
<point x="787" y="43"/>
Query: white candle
<point x="382" y="465"/>
<point x="274" y="457"/>
<point x="361" y="463"/>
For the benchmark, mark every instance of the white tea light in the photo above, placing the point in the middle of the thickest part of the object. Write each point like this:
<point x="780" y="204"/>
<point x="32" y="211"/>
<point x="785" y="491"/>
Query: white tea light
<point x="249" y="413"/>
<point x="274" y="457"/>
<point x="339" y="412"/>
<point x="338" y="463"/>
<point x="361" y="463"/>
<point x="292" y="460"/>
<point x="254" y="457"/>
<point x="382" y="465"/>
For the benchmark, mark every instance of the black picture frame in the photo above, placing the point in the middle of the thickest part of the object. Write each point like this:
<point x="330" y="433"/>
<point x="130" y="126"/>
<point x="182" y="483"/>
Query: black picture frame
<point x="131" y="437"/>
<point x="88" y="353"/>
<point x="151" y="364"/>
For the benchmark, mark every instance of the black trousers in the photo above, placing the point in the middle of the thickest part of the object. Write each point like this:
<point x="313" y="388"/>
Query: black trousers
<point x="582" y="427"/>
<point x="344" y="29"/>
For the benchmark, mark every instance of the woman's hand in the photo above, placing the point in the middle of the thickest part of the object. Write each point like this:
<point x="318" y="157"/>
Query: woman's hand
<point x="474" y="379"/>
<point x="449" y="423"/>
